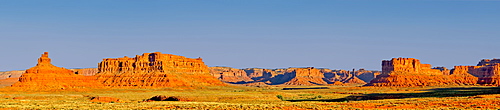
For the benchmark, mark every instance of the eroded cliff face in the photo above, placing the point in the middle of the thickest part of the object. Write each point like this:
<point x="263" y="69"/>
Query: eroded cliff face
<point x="408" y="65"/>
<point x="86" y="71"/>
<point x="155" y="70"/>
<point x="304" y="76"/>
<point x="230" y="75"/>
<point x="291" y="76"/>
<point x="409" y="72"/>
<point x="348" y="77"/>
<point x="47" y="76"/>
<point x="487" y="71"/>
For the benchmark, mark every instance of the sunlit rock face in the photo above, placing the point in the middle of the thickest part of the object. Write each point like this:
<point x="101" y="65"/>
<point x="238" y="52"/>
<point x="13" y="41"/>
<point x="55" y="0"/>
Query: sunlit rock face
<point x="47" y="76"/>
<point x="409" y="72"/>
<point x="487" y="70"/>
<point x="155" y="70"/>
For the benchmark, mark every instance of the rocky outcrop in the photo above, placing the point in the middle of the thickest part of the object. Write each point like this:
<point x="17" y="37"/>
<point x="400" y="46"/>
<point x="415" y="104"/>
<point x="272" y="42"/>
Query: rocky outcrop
<point x="230" y="75"/>
<point x="155" y="70"/>
<point x="259" y="74"/>
<point x="487" y="71"/>
<point x="105" y="99"/>
<point x="11" y="74"/>
<point x="85" y="71"/>
<point x="303" y="76"/>
<point x="409" y="72"/>
<point x="291" y="76"/>
<point x="47" y="76"/>
<point x="408" y="65"/>
<point x="346" y="77"/>
<point x="8" y="82"/>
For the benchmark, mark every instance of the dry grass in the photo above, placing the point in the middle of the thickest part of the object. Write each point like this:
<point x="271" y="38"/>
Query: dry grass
<point x="236" y="97"/>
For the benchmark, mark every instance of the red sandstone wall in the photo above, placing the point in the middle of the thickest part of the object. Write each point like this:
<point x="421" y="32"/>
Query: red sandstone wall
<point x="155" y="70"/>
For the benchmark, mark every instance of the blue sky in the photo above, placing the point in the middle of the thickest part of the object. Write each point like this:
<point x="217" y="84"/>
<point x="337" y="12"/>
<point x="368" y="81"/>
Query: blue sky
<point x="336" y="34"/>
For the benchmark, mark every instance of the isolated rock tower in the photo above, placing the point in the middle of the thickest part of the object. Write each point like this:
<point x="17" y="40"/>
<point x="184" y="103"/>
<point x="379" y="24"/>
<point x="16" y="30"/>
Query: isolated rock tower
<point x="47" y="76"/>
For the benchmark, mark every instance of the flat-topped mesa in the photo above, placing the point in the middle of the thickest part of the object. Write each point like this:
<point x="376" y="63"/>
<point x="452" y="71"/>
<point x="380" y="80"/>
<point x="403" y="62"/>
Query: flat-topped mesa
<point x="153" y="62"/>
<point x="408" y="72"/>
<point x="47" y="76"/>
<point x="155" y="70"/>
<point x="488" y="71"/>
<point x="230" y="75"/>
<point x="407" y="65"/>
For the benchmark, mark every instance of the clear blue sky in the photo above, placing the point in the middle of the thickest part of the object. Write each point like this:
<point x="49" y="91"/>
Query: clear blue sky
<point x="336" y="34"/>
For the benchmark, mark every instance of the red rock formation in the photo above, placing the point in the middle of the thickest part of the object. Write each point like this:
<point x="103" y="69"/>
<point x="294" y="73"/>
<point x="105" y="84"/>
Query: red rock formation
<point x="408" y="72"/>
<point x="230" y="75"/>
<point x="305" y="76"/>
<point x="366" y="75"/>
<point x="488" y="62"/>
<point x="461" y="76"/>
<point x="47" y="76"/>
<point x="258" y="74"/>
<point x="346" y="77"/>
<point x="8" y="78"/>
<point x="487" y="71"/>
<point x="155" y="70"/>
<point x="11" y="74"/>
<point x="408" y="65"/>
<point x="8" y="81"/>
<point x="86" y="71"/>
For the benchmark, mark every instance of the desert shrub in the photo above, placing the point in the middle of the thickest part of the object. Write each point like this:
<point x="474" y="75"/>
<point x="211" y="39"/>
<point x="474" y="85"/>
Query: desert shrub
<point x="280" y="97"/>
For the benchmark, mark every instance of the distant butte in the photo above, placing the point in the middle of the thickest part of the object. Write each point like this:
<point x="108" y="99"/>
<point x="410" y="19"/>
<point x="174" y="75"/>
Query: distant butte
<point x="487" y="70"/>
<point x="409" y="72"/>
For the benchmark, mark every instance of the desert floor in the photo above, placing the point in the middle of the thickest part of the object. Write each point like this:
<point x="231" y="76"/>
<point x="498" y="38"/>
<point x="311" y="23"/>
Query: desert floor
<point x="272" y="97"/>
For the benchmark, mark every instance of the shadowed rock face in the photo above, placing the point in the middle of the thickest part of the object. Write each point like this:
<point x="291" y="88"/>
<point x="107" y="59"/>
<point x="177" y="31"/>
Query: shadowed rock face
<point x="291" y="76"/>
<point x="230" y="75"/>
<point x="47" y="76"/>
<point x="155" y="70"/>
<point x="487" y="70"/>
<point x="408" y="72"/>
<point x="305" y="76"/>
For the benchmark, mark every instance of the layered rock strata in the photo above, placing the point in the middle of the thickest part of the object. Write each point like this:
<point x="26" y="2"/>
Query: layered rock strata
<point x="487" y="71"/>
<point x="86" y="71"/>
<point x="230" y="75"/>
<point x="303" y="76"/>
<point x="47" y="76"/>
<point x="291" y="76"/>
<point x="409" y="72"/>
<point x="155" y="70"/>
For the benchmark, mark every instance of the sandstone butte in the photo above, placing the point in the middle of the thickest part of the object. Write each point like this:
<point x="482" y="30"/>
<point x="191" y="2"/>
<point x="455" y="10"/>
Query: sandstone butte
<point x="45" y="76"/>
<point x="230" y="75"/>
<point x="303" y="76"/>
<point x="409" y="72"/>
<point x="151" y="70"/>
<point x="487" y="70"/>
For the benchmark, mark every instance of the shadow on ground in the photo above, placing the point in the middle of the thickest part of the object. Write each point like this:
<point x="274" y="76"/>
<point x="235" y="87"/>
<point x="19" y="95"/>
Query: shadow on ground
<point x="440" y="92"/>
